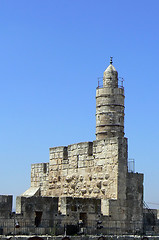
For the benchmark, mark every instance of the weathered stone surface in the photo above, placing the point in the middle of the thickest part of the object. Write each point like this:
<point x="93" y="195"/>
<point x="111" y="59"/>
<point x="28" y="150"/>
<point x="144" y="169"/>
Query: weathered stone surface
<point x="96" y="170"/>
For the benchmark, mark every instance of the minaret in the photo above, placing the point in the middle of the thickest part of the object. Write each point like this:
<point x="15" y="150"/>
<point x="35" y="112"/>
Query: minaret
<point x="110" y="106"/>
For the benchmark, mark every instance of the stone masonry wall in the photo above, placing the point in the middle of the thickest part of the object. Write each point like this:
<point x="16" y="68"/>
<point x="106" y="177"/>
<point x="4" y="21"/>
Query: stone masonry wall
<point x="88" y="169"/>
<point x="109" y="112"/>
<point x="92" y="170"/>
<point x="40" y="177"/>
<point x="5" y="206"/>
<point x="135" y="196"/>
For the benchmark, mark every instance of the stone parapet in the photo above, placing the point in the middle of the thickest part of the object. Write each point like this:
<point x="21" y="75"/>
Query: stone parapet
<point x="40" y="176"/>
<point x="87" y="169"/>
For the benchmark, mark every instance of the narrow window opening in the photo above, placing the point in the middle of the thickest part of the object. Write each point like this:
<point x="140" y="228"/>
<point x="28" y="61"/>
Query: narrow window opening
<point x="65" y="153"/>
<point x="77" y="160"/>
<point x="90" y="148"/>
<point x="83" y="217"/>
<point x="44" y="168"/>
<point x="38" y="216"/>
<point x="73" y="208"/>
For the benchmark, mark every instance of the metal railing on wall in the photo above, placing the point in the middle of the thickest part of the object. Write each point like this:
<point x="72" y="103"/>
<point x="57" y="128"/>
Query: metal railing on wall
<point x="93" y="227"/>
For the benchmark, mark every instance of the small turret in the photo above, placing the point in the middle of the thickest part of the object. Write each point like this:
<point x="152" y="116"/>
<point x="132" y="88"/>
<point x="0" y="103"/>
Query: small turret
<point x="110" y="106"/>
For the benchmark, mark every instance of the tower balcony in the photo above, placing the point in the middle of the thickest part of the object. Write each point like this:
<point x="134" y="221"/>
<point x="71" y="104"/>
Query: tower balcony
<point x="120" y="82"/>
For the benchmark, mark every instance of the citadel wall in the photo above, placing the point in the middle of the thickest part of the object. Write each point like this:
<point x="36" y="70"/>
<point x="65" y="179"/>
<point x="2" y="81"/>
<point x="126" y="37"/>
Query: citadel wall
<point x="88" y="169"/>
<point x="40" y="177"/>
<point x="5" y="205"/>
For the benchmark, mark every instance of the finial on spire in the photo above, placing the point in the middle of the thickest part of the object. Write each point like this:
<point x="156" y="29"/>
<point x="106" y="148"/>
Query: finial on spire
<point x="111" y="60"/>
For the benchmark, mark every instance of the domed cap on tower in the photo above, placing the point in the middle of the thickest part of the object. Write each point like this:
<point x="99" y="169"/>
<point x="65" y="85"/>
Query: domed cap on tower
<point x="110" y="77"/>
<point x="110" y="68"/>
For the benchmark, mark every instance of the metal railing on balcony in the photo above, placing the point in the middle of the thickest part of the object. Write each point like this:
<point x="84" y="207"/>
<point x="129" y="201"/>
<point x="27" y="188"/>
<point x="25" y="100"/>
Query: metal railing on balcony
<point x="120" y="82"/>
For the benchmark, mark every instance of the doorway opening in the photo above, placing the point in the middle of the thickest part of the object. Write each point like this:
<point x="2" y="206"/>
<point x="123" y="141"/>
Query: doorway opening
<point x="38" y="216"/>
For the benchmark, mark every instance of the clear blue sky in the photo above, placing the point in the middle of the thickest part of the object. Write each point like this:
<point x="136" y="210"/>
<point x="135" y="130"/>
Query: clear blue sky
<point x="51" y="54"/>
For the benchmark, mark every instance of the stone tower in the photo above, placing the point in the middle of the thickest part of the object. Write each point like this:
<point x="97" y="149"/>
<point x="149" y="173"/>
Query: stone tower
<point x="110" y="106"/>
<point x="98" y="170"/>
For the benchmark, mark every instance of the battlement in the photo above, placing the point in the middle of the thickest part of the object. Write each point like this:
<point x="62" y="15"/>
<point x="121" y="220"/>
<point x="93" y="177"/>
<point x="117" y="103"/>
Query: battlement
<point x="78" y="149"/>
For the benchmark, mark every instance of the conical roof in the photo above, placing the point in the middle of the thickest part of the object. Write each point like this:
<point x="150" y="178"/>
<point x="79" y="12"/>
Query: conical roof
<point x="110" y="69"/>
<point x="110" y="77"/>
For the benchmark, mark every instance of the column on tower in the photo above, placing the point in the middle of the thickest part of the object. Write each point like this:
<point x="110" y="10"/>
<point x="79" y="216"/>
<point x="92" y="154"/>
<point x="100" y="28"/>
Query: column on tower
<point x="110" y="106"/>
